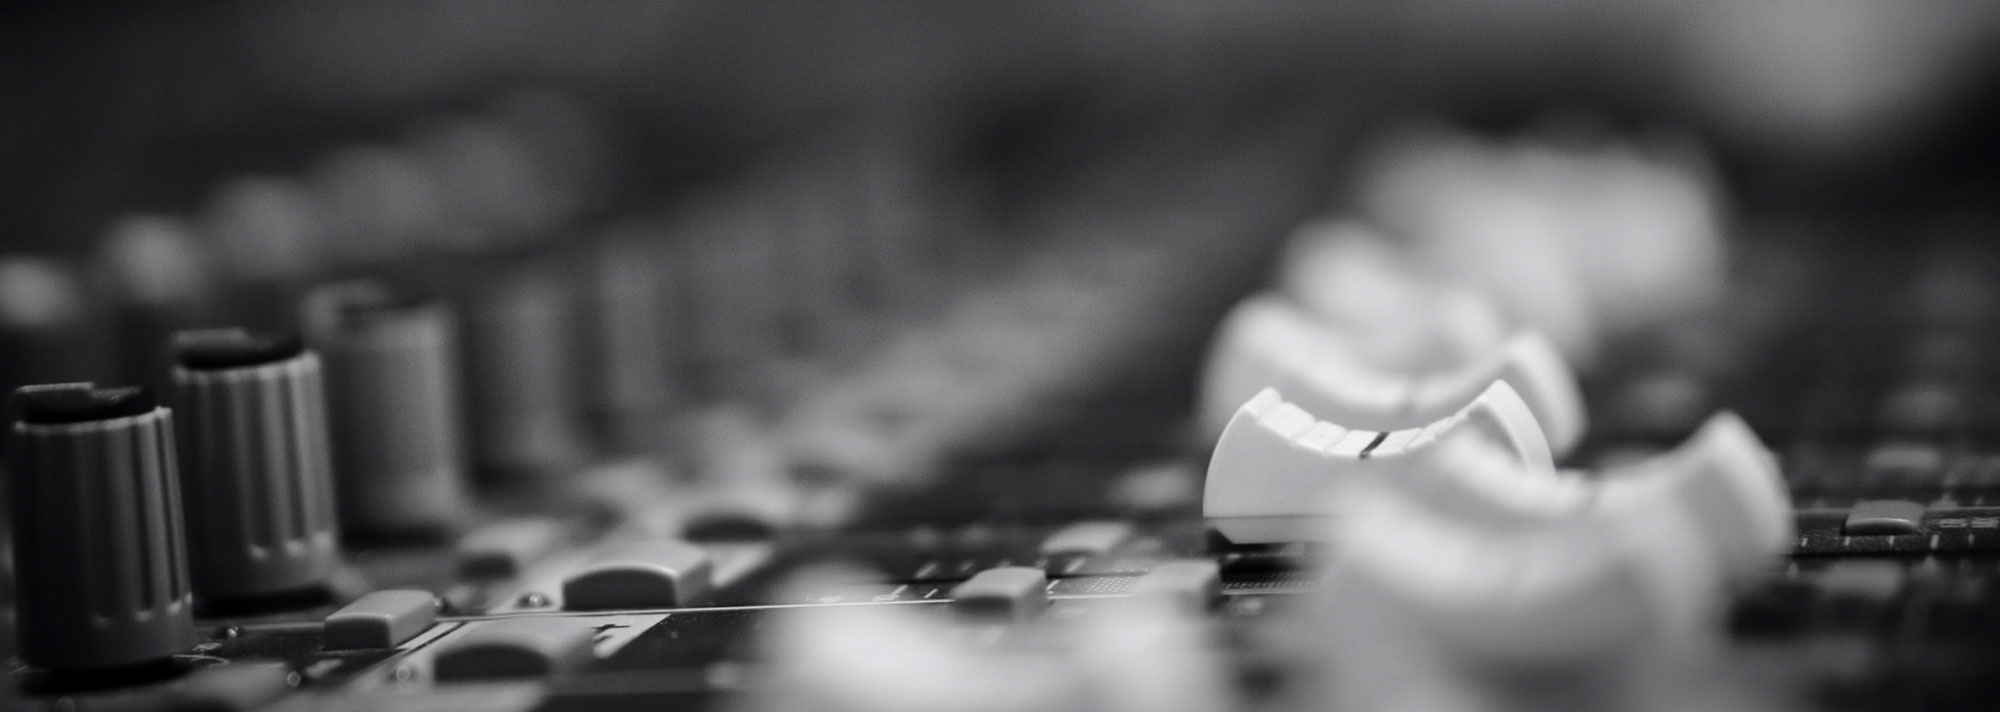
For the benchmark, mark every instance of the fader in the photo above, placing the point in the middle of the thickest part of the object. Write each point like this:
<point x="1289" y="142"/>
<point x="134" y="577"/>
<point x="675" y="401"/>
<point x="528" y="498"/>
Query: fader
<point x="1265" y="342"/>
<point x="1271" y="473"/>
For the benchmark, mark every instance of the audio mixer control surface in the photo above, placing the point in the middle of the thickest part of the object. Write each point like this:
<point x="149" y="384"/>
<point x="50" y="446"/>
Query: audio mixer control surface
<point x="1559" y="444"/>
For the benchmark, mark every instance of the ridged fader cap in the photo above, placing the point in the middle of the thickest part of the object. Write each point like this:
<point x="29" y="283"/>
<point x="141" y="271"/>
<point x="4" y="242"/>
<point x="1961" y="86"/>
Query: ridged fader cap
<point x="255" y="466"/>
<point x="97" y="528"/>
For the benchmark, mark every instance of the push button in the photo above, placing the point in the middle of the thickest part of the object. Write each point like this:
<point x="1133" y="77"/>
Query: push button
<point x="230" y="688"/>
<point x="1087" y="539"/>
<point x="502" y="549"/>
<point x="1884" y="516"/>
<point x="515" y="647"/>
<point x="382" y="619"/>
<point x="1006" y="593"/>
<point x="647" y="574"/>
<point x="1863" y="579"/>
<point x="1192" y="586"/>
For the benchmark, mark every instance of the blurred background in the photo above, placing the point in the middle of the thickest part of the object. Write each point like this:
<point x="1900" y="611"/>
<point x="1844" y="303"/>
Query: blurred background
<point x="718" y="204"/>
<point x="730" y="206"/>
<point x="937" y="270"/>
<point x="116" y="107"/>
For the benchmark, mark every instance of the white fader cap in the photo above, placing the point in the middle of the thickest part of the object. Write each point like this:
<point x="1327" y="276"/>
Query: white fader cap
<point x="1606" y="593"/>
<point x="1270" y="475"/>
<point x="1267" y="342"/>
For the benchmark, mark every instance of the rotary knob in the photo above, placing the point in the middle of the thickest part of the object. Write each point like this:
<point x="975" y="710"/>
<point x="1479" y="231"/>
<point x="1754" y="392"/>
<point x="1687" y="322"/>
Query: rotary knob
<point x="519" y="365"/>
<point x="97" y="529"/>
<point x="393" y="397"/>
<point x="255" y="468"/>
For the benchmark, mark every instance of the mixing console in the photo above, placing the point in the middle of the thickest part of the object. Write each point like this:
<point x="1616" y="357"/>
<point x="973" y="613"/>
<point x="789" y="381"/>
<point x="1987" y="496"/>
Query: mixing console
<point x="460" y="419"/>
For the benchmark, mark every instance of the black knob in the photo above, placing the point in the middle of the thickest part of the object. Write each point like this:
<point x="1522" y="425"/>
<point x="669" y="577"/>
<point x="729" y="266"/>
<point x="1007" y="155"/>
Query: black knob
<point x="97" y="528"/>
<point x="256" y="471"/>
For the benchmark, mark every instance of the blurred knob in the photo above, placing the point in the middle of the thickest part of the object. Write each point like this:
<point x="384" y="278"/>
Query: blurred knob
<point x="97" y="528"/>
<point x="735" y="327"/>
<point x="489" y="185"/>
<point x="266" y="228"/>
<point x="378" y="203"/>
<point x="270" y="238"/>
<point x="632" y="310"/>
<point x="392" y="404"/>
<point x="520" y="357"/>
<point x="256" y="469"/>
<point x="164" y="280"/>
<point x="48" y="327"/>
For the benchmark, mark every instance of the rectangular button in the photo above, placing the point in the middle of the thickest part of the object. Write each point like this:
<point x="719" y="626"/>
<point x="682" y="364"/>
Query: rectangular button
<point x="1884" y="516"/>
<point x="644" y="574"/>
<point x="241" y="686"/>
<point x="1196" y="586"/>
<point x="1008" y="592"/>
<point x="502" y="549"/>
<point x="1087" y="539"/>
<point x="381" y="619"/>
<point x="516" y="647"/>
<point x="1865" y="579"/>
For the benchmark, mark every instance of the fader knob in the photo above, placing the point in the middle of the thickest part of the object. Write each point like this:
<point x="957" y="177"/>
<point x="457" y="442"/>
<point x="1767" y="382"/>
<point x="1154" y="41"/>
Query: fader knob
<point x="1268" y="342"/>
<point x="392" y="403"/>
<point x="256" y="471"/>
<point x="97" y="528"/>
<point x="1394" y="314"/>
<point x="1722" y="479"/>
<point x="1559" y="592"/>
<point x="1271" y="471"/>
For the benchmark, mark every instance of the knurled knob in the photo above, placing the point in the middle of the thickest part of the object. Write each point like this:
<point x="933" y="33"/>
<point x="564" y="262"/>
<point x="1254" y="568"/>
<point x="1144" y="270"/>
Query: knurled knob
<point x="256" y="470"/>
<point x="97" y="528"/>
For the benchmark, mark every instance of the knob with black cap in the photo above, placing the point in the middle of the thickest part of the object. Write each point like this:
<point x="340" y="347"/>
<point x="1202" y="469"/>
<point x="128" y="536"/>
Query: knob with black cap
<point x="256" y="469"/>
<point x="97" y="529"/>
